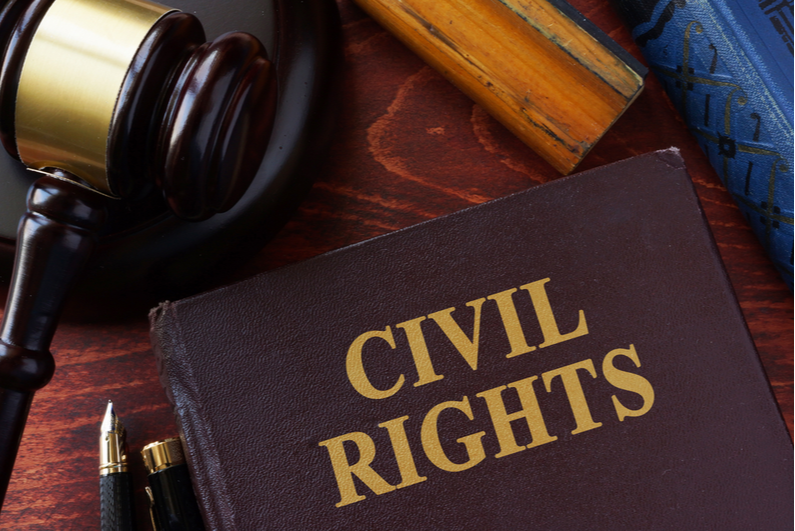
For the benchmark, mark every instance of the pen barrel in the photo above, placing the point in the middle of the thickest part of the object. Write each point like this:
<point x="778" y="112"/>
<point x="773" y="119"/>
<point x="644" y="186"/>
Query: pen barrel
<point x="115" y="501"/>
<point x="175" y="507"/>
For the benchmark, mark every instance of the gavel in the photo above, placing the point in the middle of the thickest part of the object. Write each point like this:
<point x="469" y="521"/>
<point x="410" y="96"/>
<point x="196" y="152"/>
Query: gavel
<point x="109" y="99"/>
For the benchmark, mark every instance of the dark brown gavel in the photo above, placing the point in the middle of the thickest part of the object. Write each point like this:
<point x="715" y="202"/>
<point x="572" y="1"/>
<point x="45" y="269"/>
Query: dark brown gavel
<point x="107" y="99"/>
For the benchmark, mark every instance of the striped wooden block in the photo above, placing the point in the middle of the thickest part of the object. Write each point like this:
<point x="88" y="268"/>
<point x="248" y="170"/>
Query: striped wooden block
<point x="538" y="66"/>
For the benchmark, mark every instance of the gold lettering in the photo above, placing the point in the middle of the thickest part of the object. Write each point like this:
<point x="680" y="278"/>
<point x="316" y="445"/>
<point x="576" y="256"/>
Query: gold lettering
<point x="419" y="350"/>
<point x="433" y="447"/>
<point x="466" y="347"/>
<point x="510" y="320"/>
<point x="549" y="327"/>
<point x="344" y="471"/>
<point x="530" y="411"/>
<point x="574" y="392"/>
<point x="400" y="445"/>
<point x="629" y="382"/>
<point x="355" y="366"/>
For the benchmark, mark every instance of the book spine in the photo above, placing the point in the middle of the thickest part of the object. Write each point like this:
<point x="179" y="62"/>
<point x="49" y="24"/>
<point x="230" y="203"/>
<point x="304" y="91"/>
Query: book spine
<point x="177" y="382"/>
<point x="727" y="68"/>
<point x="537" y="66"/>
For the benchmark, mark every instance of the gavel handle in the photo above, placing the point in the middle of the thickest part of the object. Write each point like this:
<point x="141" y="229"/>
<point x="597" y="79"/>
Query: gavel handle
<point x="55" y="239"/>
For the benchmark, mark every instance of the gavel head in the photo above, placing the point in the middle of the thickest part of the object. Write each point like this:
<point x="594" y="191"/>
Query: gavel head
<point x="123" y="95"/>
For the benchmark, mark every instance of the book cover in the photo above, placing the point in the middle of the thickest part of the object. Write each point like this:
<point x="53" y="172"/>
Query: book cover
<point x="727" y="66"/>
<point x="568" y="357"/>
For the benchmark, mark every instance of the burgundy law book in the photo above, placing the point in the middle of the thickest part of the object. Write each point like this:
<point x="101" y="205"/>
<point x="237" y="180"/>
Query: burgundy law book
<point x="568" y="357"/>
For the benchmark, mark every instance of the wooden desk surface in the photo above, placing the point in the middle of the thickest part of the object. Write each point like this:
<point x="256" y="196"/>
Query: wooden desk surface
<point x="409" y="147"/>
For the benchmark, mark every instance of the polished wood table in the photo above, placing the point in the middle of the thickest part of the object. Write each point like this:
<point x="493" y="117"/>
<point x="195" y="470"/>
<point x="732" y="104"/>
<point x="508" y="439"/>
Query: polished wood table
<point x="408" y="147"/>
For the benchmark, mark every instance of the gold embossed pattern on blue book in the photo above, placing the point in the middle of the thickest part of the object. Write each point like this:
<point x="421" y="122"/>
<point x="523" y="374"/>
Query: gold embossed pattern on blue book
<point x="728" y="68"/>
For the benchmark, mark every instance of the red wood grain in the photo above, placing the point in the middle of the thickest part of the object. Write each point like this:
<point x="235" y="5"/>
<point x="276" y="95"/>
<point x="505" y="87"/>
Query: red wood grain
<point x="409" y="147"/>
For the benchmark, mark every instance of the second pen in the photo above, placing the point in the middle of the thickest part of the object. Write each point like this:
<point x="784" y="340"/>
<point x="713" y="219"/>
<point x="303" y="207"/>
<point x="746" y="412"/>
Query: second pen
<point x="174" y="506"/>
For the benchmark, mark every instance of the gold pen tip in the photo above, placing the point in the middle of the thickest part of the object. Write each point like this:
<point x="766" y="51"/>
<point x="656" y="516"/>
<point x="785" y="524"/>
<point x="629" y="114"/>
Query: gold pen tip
<point x="111" y="422"/>
<point x="112" y="444"/>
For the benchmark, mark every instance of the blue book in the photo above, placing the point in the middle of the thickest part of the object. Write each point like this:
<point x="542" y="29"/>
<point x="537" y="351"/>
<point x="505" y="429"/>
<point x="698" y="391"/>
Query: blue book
<point x="727" y="65"/>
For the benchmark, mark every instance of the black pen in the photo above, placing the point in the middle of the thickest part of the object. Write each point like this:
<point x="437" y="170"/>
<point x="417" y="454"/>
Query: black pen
<point x="115" y="484"/>
<point x="173" y="503"/>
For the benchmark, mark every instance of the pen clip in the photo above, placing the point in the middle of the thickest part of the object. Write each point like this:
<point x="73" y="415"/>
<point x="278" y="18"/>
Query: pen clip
<point x="152" y="508"/>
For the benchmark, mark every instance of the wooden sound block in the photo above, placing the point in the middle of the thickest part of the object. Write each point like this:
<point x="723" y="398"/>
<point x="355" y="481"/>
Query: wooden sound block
<point x="145" y="252"/>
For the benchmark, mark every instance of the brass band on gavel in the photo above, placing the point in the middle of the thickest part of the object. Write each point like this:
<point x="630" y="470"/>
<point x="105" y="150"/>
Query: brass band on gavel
<point x="71" y="80"/>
